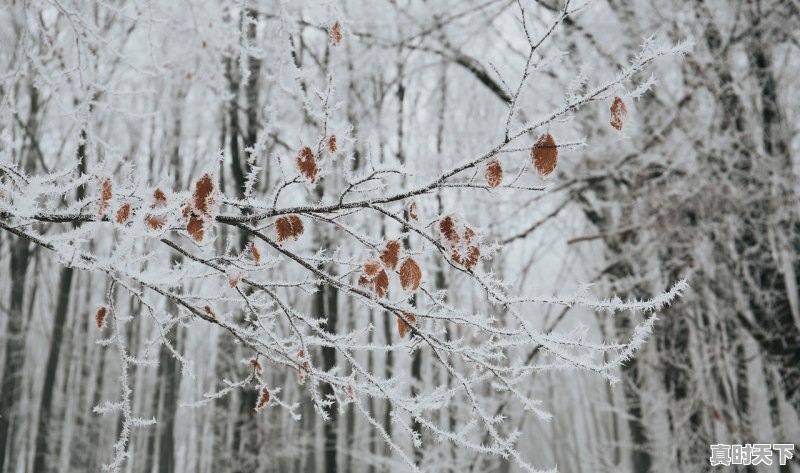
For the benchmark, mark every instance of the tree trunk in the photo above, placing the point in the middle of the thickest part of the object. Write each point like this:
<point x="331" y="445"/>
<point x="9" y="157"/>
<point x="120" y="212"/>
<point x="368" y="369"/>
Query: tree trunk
<point x="41" y="453"/>
<point x="15" y="355"/>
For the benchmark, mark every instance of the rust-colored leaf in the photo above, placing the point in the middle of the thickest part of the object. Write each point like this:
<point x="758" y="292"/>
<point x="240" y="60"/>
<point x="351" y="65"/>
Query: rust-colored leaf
<point x="288" y="227"/>
<point x="469" y="233"/>
<point x="371" y="268"/>
<point x="447" y="227"/>
<point x="412" y="211"/>
<point x="381" y="284"/>
<point x="195" y="227"/>
<point x="335" y="34"/>
<point x="618" y="113"/>
<point x="307" y="164"/>
<point x="106" y="192"/>
<point x="494" y="173"/>
<point x="391" y="255"/>
<point x="256" y="365"/>
<point x="410" y="275"/>
<point x="473" y="255"/>
<point x="202" y="197"/>
<point x="256" y="254"/>
<point x="305" y="367"/>
<point x="159" y="199"/>
<point x="234" y="276"/>
<point x="545" y="154"/>
<point x="331" y="144"/>
<point x="263" y="399"/>
<point x="155" y="222"/>
<point x="210" y="312"/>
<point x="100" y="317"/>
<point x="123" y="214"/>
<point x="403" y="327"/>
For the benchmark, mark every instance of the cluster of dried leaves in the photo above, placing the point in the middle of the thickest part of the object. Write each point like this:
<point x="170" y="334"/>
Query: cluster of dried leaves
<point x="288" y="227"/>
<point x="460" y="240"/>
<point x="156" y="222"/>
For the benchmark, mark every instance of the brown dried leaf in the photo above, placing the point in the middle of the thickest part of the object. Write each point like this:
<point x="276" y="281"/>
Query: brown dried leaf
<point x="202" y="197"/>
<point x="371" y="268"/>
<point x="381" y="284"/>
<point x="545" y="154"/>
<point x="256" y="253"/>
<point x="469" y="233"/>
<point x="494" y="173"/>
<point x="210" y="311"/>
<point x="335" y="34"/>
<point x="618" y="113"/>
<point x="447" y="227"/>
<point x="256" y="365"/>
<point x="123" y="214"/>
<point x="391" y="255"/>
<point x="155" y="222"/>
<point x="195" y="227"/>
<point x="159" y="199"/>
<point x="263" y="399"/>
<point x="287" y="227"/>
<point x="410" y="275"/>
<point x="305" y="367"/>
<point x="234" y="276"/>
<point x="473" y="255"/>
<point x="331" y="144"/>
<point x="307" y="164"/>
<point x="297" y="225"/>
<point x="100" y="317"/>
<point x="403" y="327"/>
<point x="412" y="211"/>
<point x="106" y="192"/>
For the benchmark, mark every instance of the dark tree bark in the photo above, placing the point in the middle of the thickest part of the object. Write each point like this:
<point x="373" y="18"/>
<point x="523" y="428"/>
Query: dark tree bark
<point x="40" y="459"/>
<point x="11" y="387"/>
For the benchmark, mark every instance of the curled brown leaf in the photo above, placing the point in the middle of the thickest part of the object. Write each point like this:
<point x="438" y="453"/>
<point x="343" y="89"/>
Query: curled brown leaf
<point x="106" y="192"/>
<point x="403" y="327"/>
<point x="202" y="198"/>
<point x="447" y="227"/>
<point x="391" y="254"/>
<point x="307" y="164"/>
<point x="618" y="113"/>
<point x="263" y="398"/>
<point x="100" y="316"/>
<point x="195" y="227"/>
<point x="381" y="284"/>
<point x="335" y="34"/>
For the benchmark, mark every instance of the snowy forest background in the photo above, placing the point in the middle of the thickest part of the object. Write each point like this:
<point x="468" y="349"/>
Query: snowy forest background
<point x="278" y="236"/>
